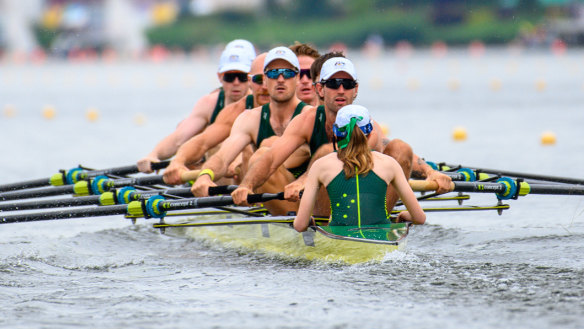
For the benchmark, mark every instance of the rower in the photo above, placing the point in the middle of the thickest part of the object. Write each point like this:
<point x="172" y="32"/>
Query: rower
<point x="234" y="66"/>
<point x="306" y="56"/>
<point x="356" y="178"/>
<point x="338" y="87"/>
<point x="259" y="127"/>
<point x="195" y="148"/>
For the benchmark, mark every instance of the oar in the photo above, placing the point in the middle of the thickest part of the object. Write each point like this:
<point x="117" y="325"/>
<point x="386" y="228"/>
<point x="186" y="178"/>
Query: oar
<point x="546" y="178"/>
<point x="72" y="176"/>
<point x="117" y="196"/>
<point x="505" y="188"/>
<point x="94" y="186"/>
<point x="155" y="206"/>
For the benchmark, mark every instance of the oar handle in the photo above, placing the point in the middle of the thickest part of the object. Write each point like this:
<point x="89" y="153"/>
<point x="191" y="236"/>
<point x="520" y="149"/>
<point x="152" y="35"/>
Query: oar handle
<point x="190" y="175"/>
<point x="425" y="186"/>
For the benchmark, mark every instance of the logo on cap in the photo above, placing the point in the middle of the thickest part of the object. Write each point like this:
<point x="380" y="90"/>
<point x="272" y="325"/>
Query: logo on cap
<point x="280" y="52"/>
<point x="339" y="64"/>
<point x="234" y="58"/>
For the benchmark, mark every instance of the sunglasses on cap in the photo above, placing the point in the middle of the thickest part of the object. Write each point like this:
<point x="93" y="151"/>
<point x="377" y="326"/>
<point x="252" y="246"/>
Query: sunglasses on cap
<point x="230" y="77"/>
<point x="257" y="78"/>
<point x="305" y="72"/>
<point x="341" y="132"/>
<point x="336" y="83"/>
<point x="286" y="73"/>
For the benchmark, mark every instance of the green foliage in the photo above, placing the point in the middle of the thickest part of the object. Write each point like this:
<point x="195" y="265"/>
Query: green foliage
<point x="44" y="36"/>
<point x="351" y="22"/>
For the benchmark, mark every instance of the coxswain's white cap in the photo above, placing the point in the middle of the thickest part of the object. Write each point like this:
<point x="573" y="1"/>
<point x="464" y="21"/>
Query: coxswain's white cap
<point x="243" y="44"/>
<point x="234" y="59"/>
<point x="281" y="53"/>
<point x="347" y="112"/>
<point x="337" y="64"/>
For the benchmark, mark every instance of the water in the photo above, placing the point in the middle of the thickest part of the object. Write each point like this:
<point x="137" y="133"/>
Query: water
<point x="523" y="269"/>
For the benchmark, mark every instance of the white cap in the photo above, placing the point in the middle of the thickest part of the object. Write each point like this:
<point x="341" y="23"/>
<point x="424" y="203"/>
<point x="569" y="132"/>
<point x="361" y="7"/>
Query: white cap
<point x="347" y="112"/>
<point x="243" y="44"/>
<point x="282" y="53"/>
<point x="337" y="64"/>
<point x="234" y="59"/>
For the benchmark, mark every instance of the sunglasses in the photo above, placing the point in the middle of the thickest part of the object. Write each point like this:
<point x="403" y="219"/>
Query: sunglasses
<point x="286" y="73"/>
<point x="305" y="72"/>
<point x="336" y="83"/>
<point x="257" y="78"/>
<point x="343" y="131"/>
<point x="230" y="77"/>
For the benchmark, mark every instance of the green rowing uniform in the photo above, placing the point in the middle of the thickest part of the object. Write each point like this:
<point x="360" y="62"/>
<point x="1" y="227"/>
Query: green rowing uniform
<point x="266" y="130"/>
<point x="221" y="104"/>
<point x="358" y="201"/>
<point x="249" y="102"/>
<point x="319" y="136"/>
<point x="218" y="106"/>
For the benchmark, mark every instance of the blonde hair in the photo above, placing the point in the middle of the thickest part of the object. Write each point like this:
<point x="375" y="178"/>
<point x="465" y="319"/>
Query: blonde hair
<point x="356" y="157"/>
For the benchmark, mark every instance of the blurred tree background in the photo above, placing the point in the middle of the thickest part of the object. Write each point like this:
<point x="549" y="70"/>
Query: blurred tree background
<point x="352" y="22"/>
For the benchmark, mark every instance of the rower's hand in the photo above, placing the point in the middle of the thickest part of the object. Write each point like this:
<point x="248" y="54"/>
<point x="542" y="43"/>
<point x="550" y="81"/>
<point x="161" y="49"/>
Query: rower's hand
<point x="172" y="173"/>
<point x="443" y="181"/>
<point x="201" y="186"/>
<point x="403" y="216"/>
<point x="240" y="195"/>
<point x="145" y="164"/>
<point x="292" y="191"/>
<point x="233" y="170"/>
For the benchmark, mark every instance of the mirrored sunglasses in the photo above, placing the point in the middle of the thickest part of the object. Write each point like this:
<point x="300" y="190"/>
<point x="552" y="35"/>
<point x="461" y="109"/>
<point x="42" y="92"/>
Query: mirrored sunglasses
<point x="286" y="73"/>
<point x="257" y="78"/>
<point x="341" y="132"/>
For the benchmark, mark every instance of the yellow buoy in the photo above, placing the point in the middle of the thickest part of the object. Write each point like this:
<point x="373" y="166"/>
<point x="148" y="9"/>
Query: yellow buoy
<point x="49" y="112"/>
<point x="454" y="84"/>
<point x="413" y="84"/>
<point x="139" y="119"/>
<point x="540" y="85"/>
<point x="92" y="115"/>
<point x="459" y="134"/>
<point x="9" y="111"/>
<point x="495" y="85"/>
<point x="384" y="129"/>
<point x="548" y="138"/>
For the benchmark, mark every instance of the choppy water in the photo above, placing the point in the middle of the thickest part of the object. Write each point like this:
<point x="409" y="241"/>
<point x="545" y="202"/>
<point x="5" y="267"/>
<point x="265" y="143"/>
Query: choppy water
<point x="523" y="269"/>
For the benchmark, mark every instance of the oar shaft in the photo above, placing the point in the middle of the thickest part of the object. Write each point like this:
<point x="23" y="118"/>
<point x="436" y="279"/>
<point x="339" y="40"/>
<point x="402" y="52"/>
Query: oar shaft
<point x="488" y="187"/>
<point x="499" y="172"/>
<point x="55" y="203"/>
<point x="67" y="213"/>
<point x="84" y="174"/>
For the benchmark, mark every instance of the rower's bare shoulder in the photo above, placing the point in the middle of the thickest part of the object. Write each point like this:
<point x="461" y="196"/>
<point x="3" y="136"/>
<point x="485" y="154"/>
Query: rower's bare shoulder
<point x="231" y="111"/>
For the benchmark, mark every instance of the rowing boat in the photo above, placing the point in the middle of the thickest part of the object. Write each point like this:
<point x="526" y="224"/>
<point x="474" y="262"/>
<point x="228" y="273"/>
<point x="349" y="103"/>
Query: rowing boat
<point x="338" y="244"/>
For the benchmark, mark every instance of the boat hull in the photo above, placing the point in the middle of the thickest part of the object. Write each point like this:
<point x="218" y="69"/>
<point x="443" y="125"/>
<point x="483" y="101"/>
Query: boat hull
<point x="348" y="244"/>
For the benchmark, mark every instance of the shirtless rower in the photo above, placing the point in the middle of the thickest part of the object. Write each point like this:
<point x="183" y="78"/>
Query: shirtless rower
<point x="281" y="70"/>
<point x="234" y="66"/>
<point x="306" y="56"/>
<point x="338" y="87"/>
<point x="195" y="148"/>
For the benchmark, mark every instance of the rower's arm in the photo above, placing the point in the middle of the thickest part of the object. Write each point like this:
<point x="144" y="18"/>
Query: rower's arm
<point x="420" y="169"/>
<point x="196" y="147"/>
<point x="302" y="220"/>
<point x="415" y="213"/>
<point x="283" y="147"/>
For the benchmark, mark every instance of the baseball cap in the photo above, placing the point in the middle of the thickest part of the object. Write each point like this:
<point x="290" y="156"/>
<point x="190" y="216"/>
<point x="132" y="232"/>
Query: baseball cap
<point x="337" y="64"/>
<point x="282" y="53"/>
<point x="234" y="59"/>
<point x="347" y="112"/>
<point x="243" y="44"/>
